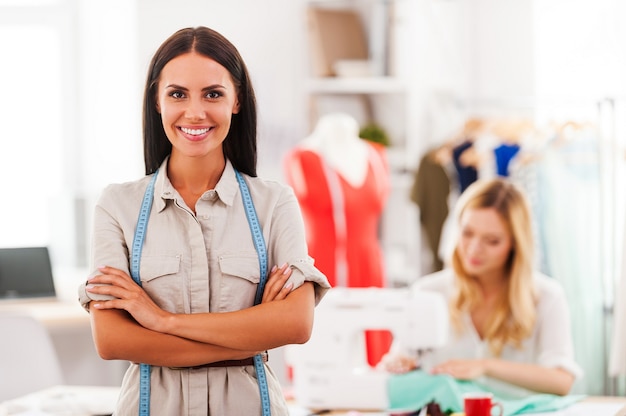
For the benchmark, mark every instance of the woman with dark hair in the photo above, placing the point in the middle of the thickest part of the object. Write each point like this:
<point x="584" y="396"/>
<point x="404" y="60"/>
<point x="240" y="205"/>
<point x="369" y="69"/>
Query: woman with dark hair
<point x="183" y="289"/>
<point x="240" y="143"/>
<point x="510" y="326"/>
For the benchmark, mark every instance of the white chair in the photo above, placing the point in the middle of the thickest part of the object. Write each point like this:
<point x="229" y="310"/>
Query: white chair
<point x="28" y="360"/>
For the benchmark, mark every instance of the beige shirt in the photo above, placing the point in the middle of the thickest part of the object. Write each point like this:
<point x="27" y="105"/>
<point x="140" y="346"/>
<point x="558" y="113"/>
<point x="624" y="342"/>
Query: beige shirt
<point x="205" y="262"/>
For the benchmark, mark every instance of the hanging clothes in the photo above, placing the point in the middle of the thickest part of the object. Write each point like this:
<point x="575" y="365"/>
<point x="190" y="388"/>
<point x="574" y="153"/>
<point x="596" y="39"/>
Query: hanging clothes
<point x="430" y="191"/>
<point x="504" y="153"/>
<point x="525" y="172"/>
<point x="571" y="225"/>
<point x="466" y="174"/>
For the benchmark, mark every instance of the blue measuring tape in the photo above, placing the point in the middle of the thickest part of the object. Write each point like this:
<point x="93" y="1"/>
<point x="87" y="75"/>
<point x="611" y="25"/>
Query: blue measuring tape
<point x="259" y="244"/>
<point x="138" y="239"/>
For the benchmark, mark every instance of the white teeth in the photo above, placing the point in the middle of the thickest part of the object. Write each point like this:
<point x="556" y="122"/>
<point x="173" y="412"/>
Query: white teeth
<point x="194" y="132"/>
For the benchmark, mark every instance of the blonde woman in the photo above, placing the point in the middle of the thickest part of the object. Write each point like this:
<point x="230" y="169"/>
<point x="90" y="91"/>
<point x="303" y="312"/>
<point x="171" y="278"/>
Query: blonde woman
<point x="510" y="326"/>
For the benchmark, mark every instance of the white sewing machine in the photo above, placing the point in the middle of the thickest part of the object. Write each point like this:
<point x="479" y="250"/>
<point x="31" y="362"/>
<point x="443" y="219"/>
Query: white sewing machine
<point x="331" y="370"/>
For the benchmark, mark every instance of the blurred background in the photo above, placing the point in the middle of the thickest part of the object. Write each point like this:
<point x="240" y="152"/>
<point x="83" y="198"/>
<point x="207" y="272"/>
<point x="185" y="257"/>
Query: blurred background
<point x="547" y="75"/>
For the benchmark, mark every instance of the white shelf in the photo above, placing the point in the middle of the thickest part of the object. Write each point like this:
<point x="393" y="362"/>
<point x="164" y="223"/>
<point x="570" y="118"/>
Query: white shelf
<point x="356" y="85"/>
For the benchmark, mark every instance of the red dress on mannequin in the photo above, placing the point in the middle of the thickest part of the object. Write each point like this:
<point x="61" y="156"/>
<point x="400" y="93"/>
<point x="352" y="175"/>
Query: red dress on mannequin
<point x="342" y="220"/>
<point x="342" y="217"/>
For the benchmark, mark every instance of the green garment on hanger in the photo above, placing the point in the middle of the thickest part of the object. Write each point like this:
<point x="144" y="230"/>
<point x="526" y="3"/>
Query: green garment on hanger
<point x="430" y="191"/>
<point x="413" y="390"/>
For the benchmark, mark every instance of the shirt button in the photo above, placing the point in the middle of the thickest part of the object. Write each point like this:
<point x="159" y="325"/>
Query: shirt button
<point x="210" y="195"/>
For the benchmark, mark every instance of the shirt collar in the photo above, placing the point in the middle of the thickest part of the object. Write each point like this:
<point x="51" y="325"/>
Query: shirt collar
<point x="226" y="187"/>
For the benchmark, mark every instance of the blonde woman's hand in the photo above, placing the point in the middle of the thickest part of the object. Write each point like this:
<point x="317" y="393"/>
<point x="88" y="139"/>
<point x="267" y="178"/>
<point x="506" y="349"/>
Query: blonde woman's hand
<point x="462" y="369"/>
<point x="397" y="363"/>
<point x="276" y="287"/>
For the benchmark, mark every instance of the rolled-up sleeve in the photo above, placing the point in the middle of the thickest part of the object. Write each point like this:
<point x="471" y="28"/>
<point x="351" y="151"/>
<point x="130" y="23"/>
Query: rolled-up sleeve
<point x="305" y="271"/>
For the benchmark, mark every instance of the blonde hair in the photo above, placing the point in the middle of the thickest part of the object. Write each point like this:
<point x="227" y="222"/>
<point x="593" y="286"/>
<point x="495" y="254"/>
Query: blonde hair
<point x="514" y="317"/>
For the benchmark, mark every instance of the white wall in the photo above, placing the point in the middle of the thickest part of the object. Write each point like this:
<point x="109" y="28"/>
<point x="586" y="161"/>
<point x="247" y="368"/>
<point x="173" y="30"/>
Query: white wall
<point x="579" y="48"/>
<point x="117" y="40"/>
<point x="109" y="94"/>
<point x="501" y="49"/>
<point x="270" y="38"/>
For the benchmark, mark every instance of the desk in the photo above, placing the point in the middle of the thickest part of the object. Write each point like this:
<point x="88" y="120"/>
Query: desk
<point x="64" y="401"/>
<point x="53" y="314"/>
<point x="592" y="406"/>
<point x="100" y="400"/>
<point x="70" y="330"/>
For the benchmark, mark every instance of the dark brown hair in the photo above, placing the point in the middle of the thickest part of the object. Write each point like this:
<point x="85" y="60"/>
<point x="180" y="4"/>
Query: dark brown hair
<point x="240" y="143"/>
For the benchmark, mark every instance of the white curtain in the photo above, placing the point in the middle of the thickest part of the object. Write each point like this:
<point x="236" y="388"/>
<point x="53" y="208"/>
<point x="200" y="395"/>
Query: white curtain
<point x="617" y="363"/>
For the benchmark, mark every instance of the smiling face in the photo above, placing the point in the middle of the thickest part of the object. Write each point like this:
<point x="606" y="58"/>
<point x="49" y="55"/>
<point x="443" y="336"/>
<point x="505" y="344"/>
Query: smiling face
<point x="196" y="98"/>
<point x="485" y="242"/>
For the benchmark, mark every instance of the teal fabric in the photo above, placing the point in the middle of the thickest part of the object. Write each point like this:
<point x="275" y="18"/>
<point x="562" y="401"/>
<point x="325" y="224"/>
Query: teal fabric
<point x="411" y="391"/>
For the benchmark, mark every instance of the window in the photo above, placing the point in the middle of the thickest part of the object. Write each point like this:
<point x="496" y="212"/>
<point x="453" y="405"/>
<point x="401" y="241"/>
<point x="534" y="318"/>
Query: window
<point x="37" y="58"/>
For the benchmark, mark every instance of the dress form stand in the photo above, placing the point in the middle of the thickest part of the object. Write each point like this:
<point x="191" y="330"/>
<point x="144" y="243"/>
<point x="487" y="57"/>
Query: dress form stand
<point x="342" y="182"/>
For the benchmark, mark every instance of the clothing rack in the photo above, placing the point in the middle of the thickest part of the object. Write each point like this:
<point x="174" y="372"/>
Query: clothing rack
<point x="537" y="107"/>
<point x="613" y="117"/>
<point x="608" y="114"/>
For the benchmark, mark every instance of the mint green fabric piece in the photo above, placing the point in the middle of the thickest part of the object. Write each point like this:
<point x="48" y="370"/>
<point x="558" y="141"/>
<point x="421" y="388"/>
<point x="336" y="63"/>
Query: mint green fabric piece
<point x="411" y="391"/>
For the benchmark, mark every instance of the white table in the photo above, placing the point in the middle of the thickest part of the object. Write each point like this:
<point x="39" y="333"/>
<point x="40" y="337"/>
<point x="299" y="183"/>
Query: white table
<point x="70" y="330"/>
<point x="97" y="401"/>
<point x="64" y="401"/>
<point x="600" y="406"/>
<point x="592" y="406"/>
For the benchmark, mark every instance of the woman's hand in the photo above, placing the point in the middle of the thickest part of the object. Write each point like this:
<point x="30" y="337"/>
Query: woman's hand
<point x="128" y="296"/>
<point x="462" y="369"/>
<point x="275" y="287"/>
<point x="397" y="363"/>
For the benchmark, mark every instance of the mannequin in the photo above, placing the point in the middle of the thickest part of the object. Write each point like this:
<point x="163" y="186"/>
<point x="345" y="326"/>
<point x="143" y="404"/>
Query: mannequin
<point x="335" y="136"/>
<point x="342" y="182"/>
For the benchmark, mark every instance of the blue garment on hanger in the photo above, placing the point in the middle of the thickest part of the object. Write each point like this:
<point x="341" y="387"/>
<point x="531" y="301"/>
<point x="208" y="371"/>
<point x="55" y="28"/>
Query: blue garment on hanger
<point x="504" y="154"/>
<point x="466" y="174"/>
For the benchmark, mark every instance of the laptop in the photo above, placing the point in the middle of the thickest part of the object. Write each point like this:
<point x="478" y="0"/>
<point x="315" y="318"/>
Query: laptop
<point x="26" y="274"/>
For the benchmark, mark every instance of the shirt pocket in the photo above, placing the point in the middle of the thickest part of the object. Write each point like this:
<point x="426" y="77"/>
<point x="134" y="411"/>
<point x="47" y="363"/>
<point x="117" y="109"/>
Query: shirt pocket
<point x="240" y="278"/>
<point x="162" y="279"/>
